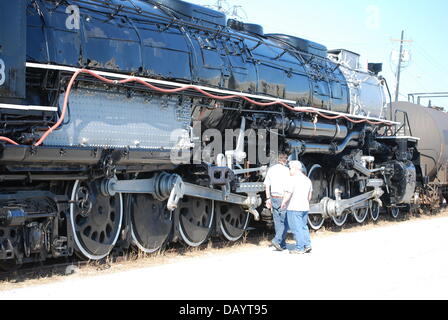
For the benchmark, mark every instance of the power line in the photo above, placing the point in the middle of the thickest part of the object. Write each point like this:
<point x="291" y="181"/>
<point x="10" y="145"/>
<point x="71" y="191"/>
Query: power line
<point x="416" y="76"/>
<point x="233" y="11"/>
<point x="431" y="60"/>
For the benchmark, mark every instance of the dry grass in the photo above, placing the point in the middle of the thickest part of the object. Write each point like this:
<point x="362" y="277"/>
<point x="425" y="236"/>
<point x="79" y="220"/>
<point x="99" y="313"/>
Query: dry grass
<point x="137" y="260"/>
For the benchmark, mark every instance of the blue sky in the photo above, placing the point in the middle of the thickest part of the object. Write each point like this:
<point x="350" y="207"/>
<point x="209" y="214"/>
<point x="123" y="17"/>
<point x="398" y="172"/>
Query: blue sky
<point x="367" y="27"/>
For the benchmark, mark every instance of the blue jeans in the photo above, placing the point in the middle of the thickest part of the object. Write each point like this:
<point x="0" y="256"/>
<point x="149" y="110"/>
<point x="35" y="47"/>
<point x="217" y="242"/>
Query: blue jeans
<point x="280" y="222"/>
<point x="298" y="222"/>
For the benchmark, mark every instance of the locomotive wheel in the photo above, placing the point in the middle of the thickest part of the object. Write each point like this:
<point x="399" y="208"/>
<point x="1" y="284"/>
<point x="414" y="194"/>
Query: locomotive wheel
<point x="233" y="220"/>
<point x="394" y="212"/>
<point x="341" y="220"/>
<point x="195" y="220"/>
<point x="316" y="221"/>
<point x="10" y="265"/>
<point x="361" y="214"/>
<point x="320" y="191"/>
<point x="150" y="222"/>
<point x="374" y="211"/>
<point x="339" y="182"/>
<point x="96" y="220"/>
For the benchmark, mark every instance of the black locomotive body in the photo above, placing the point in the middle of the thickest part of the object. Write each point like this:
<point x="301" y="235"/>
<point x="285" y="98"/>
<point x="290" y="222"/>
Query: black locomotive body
<point x="96" y="97"/>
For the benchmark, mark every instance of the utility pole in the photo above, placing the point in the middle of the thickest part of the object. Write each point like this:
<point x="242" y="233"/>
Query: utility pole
<point x="400" y="63"/>
<point x="400" y="58"/>
<point x="219" y="5"/>
<point x="232" y="12"/>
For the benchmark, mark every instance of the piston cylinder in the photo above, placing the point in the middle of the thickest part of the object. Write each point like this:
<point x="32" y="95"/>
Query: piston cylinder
<point x="305" y="129"/>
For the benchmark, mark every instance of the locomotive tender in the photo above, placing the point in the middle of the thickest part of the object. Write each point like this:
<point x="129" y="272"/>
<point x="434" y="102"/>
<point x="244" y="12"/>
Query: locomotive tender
<point x="92" y="91"/>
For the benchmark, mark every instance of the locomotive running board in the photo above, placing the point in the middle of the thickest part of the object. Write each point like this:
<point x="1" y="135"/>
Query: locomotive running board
<point x="210" y="89"/>
<point x="27" y="108"/>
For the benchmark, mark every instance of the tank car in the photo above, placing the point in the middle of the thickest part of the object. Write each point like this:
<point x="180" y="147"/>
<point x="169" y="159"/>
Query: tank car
<point x="98" y="97"/>
<point x="430" y="124"/>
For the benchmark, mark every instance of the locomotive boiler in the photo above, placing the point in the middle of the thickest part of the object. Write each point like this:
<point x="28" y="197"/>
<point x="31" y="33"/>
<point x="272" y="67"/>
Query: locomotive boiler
<point x="98" y="98"/>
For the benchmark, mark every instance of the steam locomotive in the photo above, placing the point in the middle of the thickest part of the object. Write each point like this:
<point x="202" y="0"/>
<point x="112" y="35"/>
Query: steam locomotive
<point x="97" y="97"/>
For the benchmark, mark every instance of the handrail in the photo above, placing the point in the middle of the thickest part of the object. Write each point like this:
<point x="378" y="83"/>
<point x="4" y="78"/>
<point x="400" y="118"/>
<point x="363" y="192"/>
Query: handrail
<point x="406" y="123"/>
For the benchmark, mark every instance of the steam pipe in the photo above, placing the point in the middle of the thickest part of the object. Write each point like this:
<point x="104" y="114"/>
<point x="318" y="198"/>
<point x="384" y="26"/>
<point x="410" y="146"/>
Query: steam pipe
<point x="299" y="128"/>
<point x="304" y="129"/>
<point x="334" y="149"/>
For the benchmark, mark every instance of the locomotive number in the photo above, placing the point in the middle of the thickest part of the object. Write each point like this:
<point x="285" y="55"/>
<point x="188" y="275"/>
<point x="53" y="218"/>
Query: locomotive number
<point x="2" y="72"/>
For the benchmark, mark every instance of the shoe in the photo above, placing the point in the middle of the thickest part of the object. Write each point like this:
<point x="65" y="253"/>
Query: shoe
<point x="308" y="250"/>
<point x="277" y="246"/>
<point x="296" y="252"/>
